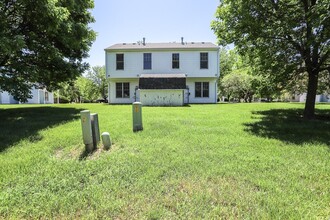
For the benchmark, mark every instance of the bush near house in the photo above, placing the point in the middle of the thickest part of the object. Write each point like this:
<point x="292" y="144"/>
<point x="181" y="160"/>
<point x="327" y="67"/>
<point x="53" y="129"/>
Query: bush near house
<point x="259" y="160"/>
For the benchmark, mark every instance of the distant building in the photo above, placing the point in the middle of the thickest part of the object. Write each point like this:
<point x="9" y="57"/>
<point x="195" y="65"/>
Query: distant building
<point x="162" y="73"/>
<point x="39" y="96"/>
<point x="318" y="98"/>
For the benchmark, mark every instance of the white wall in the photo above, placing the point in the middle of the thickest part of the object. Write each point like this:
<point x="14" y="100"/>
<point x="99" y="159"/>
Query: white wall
<point x="162" y="64"/>
<point x="162" y="97"/>
<point x="35" y="97"/>
<point x="5" y="98"/>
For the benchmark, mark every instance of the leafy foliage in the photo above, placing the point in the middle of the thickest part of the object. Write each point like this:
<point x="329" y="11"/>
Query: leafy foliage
<point x="43" y="43"/>
<point x="287" y="37"/>
<point x="97" y="76"/>
<point x="87" y="88"/>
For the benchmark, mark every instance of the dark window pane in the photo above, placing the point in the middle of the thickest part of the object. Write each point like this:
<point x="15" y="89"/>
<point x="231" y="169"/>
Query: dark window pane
<point x="119" y="90"/>
<point x="122" y="90"/>
<point x="147" y="61"/>
<point x="126" y="90"/>
<point x="175" y="61"/>
<point x="204" y="60"/>
<point x="119" y="61"/>
<point x="198" y="89"/>
<point x="205" y="89"/>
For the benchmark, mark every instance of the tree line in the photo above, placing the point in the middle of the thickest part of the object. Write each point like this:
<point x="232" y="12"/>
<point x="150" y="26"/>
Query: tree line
<point x="242" y="80"/>
<point x="90" y="87"/>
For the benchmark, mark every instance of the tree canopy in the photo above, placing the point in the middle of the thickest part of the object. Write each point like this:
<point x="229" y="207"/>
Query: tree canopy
<point x="286" y="38"/>
<point x="43" y="43"/>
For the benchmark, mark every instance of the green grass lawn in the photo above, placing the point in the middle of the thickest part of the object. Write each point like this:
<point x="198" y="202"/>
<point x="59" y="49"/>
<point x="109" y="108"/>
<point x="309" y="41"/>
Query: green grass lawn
<point x="199" y="162"/>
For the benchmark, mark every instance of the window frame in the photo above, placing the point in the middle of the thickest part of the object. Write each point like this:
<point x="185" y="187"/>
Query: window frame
<point x="175" y="60"/>
<point x="204" y="60"/>
<point x="203" y="91"/>
<point x="147" y="62"/>
<point x="120" y="64"/>
<point x="123" y="90"/>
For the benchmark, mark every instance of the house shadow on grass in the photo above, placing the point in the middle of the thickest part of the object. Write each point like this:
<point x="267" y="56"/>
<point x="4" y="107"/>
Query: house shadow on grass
<point x="288" y="126"/>
<point x="21" y="123"/>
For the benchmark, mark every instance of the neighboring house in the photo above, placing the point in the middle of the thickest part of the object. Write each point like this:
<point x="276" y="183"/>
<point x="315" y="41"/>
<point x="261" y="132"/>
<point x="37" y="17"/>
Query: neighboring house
<point x="162" y="73"/>
<point x="318" y="98"/>
<point x="39" y="96"/>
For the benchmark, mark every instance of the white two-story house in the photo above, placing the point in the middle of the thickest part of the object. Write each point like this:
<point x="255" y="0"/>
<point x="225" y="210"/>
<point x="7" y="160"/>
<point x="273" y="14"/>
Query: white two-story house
<point x="162" y="73"/>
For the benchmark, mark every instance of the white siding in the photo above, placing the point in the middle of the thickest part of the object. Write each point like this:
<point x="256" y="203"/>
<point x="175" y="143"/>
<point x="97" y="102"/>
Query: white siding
<point x="162" y="64"/>
<point x="161" y="97"/>
<point x="5" y="99"/>
<point x="35" y="97"/>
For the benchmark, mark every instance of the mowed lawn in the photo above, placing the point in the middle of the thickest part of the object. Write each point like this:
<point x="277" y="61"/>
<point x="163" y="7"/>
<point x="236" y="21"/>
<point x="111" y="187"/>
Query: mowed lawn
<point x="258" y="160"/>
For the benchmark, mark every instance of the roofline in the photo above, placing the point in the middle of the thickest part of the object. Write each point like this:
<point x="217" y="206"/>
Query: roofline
<point x="162" y="49"/>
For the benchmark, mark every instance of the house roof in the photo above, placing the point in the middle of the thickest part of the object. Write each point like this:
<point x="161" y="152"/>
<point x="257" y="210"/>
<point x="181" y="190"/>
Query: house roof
<point x="163" y="46"/>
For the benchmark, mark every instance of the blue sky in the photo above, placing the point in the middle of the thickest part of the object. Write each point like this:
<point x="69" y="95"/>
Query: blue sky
<point x="128" y="21"/>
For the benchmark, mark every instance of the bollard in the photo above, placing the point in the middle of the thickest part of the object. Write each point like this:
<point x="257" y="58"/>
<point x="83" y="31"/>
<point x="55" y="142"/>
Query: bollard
<point x="95" y="129"/>
<point x="137" y="116"/>
<point x="106" y="140"/>
<point x="87" y="130"/>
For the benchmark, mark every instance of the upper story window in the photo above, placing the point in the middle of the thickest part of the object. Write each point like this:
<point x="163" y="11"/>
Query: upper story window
<point x="175" y="61"/>
<point x="204" y="60"/>
<point x="147" y="61"/>
<point x="119" y="61"/>
<point x="202" y="89"/>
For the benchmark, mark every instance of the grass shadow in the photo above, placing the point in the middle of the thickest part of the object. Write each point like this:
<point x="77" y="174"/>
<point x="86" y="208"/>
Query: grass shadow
<point x="288" y="125"/>
<point x="21" y="123"/>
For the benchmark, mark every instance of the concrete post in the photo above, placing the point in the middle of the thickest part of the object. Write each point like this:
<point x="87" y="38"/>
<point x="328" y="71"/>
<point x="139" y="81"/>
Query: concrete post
<point x="87" y="130"/>
<point x="137" y="116"/>
<point x="95" y="129"/>
<point x="106" y="140"/>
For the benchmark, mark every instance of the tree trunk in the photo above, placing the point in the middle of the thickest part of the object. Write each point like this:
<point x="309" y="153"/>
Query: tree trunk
<point x="309" y="111"/>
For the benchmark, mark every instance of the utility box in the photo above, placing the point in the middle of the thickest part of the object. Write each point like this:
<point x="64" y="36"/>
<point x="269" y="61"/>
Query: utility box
<point x="95" y="129"/>
<point x="87" y="130"/>
<point x="137" y="116"/>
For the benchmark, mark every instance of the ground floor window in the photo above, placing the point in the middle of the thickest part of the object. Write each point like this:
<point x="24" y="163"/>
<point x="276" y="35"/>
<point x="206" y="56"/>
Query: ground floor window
<point x="122" y="90"/>
<point x="202" y="89"/>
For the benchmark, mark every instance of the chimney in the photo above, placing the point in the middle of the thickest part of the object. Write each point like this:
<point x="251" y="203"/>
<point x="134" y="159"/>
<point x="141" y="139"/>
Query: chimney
<point x="144" y="41"/>
<point x="182" y="40"/>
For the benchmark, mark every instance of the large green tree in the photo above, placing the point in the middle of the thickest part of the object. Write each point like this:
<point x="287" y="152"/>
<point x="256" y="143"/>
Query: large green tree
<point x="97" y="76"/>
<point x="43" y="43"/>
<point x="288" y="37"/>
